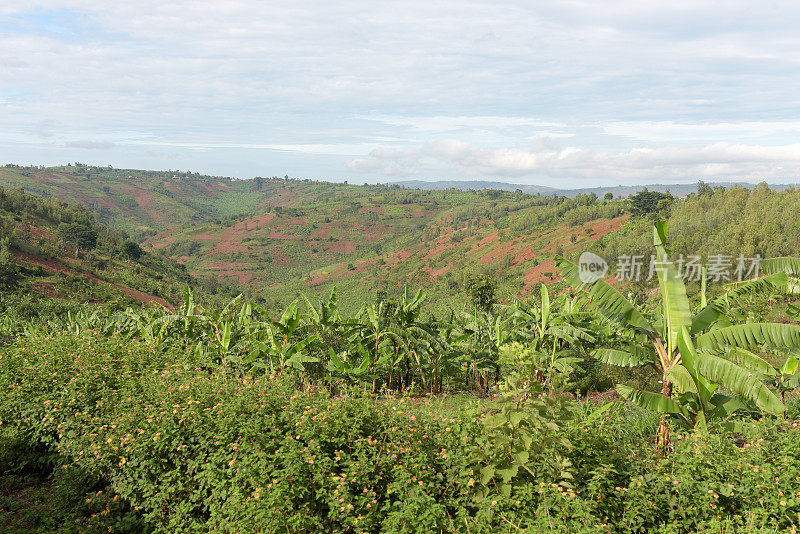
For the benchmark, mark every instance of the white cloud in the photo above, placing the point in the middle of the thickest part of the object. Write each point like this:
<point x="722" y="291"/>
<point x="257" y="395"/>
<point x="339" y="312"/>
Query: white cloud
<point x="90" y="145"/>
<point x="575" y="165"/>
<point x="311" y="87"/>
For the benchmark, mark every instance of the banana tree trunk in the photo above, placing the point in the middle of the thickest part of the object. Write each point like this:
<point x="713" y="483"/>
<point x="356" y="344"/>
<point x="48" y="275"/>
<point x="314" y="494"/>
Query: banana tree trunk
<point x="663" y="428"/>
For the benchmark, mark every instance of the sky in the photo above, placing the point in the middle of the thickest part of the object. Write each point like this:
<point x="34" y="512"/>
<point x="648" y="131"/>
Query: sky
<point x="563" y="93"/>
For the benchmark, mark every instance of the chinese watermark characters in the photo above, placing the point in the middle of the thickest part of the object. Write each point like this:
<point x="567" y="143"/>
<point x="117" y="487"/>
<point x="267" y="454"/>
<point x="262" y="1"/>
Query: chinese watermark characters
<point x="720" y="268"/>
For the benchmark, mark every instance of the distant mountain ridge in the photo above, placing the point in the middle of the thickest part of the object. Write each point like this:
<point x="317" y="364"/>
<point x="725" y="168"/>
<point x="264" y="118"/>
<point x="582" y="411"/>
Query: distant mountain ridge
<point x="441" y="185"/>
<point x="619" y="191"/>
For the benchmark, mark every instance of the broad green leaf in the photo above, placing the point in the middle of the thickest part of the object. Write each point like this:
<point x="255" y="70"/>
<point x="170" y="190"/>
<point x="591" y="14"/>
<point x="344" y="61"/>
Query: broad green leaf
<point x="545" y="307"/>
<point x="310" y="309"/>
<point x="660" y="233"/>
<point x="788" y="265"/>
<point x="706" y="317"/>
<point x="725" y="406"/>
<point x="654" y="402"/>
<point x="759" y="286"/>
<point x="675" y="303"/>
<point x="487" y="474"/>
<point x="703" y="283"/>
<point x="620" y="357"/>
<point x="681" y="378"/>
<point x="740" y="381"/>
<point x="750" y="335"/>
<point x="521" y="457"/>
<point x="604" y="298"/>
<point x="508" y="473"/>
<point x="790" y="366"/>
<point x="750" y="361"/>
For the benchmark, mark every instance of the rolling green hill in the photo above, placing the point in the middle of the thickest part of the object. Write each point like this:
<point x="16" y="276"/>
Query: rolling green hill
<point x="275" y="238"/>
<point x="279" y="237"/>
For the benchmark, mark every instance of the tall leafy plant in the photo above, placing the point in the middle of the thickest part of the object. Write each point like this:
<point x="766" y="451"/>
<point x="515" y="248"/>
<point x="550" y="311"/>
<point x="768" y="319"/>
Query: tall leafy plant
<point x="696" y="354"/>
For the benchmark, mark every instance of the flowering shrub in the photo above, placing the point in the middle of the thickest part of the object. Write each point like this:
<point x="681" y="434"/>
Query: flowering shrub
<point x="194" y="447"/>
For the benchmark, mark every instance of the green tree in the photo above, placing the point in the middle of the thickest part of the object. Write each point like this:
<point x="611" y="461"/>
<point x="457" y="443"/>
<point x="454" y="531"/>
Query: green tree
<point x="650" y="203"/>
<point x="9" y="271"/>
<point x="79" y="234"/>
<point x="132" y="250"/>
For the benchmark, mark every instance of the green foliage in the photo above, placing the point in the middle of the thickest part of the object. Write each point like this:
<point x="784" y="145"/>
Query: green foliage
<point x="194" y="447"/>
<point x="78" y="234"/>
<point x="9" y="271"/>
<point x="522" y="442"/>
<point x="132" y="250"/>
<point x="482" y="292"/>
<point x="651" y="204"/>
<point x="696" y="373"/>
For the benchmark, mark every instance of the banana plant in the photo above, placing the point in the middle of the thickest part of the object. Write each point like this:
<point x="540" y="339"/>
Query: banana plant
<point x="284" y="343"/>
<point x="788" y="265"/>
<point x="694" y="366"/>
<point x="553" y="332"/>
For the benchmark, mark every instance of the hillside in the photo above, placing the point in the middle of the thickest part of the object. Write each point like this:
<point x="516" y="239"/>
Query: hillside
<point x="275" y="238"/>
<point x="138" y="202"/>
<point x="365" y="240"/>
<point x="51" y="249"/>
<point x="278" y="237"/>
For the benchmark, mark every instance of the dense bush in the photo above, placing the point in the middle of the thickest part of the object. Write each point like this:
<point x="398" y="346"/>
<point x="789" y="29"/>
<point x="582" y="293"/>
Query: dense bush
<point x="199" y="448"/>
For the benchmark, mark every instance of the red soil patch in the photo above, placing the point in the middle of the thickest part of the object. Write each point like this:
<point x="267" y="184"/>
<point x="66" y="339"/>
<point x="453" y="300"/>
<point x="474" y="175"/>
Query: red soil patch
<point x="603" y="397"/>
<point x="298" y="222"/>
<point x="341" y="247"/>
<point x="173" y="188"/>
<point x="606" y="227"/>
<point x="493" y="256"/>
<point x="323" y="277"/>
<point x="443" y="243"/>
<point x="231" y="238"/>
<point x="491" y="238"/>
<point x="44" y="234"/>
<point x="144" y="199"/>
<point x="228" y="247"/>
<point x="438" y="272"/>
<point x="164" y="243"/>
<point x="396" y="257"/>
<point x="56" y="267"/>
<point x="204" y="237"/>
<point x="159" y="236"/>
<point x="227" y="265"/>
<point x="364" y="265"/>
<point x="322" y="233"/>
<point x="539" y="273"/>
<point x="46" y="289"/>
<point x="376" y="232"/>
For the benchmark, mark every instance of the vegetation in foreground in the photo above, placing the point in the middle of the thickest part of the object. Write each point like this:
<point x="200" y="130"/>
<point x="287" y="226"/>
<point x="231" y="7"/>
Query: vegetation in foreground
<point x="163" y="444"/>
<point x="228" y="419"/>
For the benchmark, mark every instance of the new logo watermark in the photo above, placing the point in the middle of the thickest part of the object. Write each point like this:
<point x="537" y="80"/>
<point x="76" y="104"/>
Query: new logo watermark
<point x="591" y="267"/>
<point x="719" y="268"/>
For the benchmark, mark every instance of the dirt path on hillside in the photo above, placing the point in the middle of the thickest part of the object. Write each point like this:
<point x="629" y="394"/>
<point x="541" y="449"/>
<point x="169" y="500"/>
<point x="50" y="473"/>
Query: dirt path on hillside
<point x="55" y="267"/>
